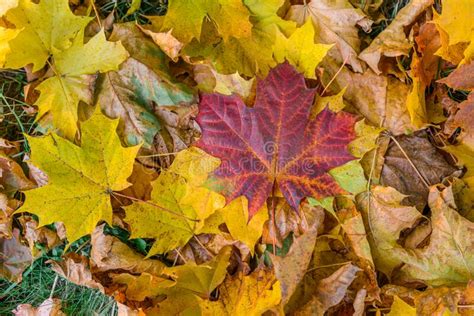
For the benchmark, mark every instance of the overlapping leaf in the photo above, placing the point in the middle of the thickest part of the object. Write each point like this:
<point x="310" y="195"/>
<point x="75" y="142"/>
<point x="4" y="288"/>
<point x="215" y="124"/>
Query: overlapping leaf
<point x="275" y="141"/>
<point x="80" y="179"/>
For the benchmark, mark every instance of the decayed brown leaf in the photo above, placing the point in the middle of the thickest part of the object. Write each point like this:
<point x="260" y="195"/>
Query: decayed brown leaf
<point x="14" y="257"/>
<point x="330" y="291"/>
<point x="412" y="164"/>
<point x="290" y="269"/>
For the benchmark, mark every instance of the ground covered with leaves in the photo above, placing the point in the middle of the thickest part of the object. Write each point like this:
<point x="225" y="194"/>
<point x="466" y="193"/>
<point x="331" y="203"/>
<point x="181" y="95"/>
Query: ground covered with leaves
<point x="236" y="157"/>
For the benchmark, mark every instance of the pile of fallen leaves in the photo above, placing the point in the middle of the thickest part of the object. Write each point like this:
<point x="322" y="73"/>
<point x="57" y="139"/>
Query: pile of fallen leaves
<point x="244" y="157"/>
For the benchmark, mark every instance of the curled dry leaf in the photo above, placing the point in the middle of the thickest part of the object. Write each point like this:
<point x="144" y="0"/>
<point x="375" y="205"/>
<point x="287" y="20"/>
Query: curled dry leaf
<point x="380" y="99"/>
<point x="447" y="259"/>
<point x="330" y="291"/>
<point x="75" y="269"/>
<point x="142" y="84"/>
<point x="109" y="253"/>
<point x="393" y="42"/>
<point x="385" y="217"/>
<point x="290" y="269"/>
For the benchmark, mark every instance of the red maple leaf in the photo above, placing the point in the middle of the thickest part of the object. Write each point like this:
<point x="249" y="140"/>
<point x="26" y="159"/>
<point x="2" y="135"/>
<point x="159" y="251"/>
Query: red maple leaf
<point x="275" y="142"/>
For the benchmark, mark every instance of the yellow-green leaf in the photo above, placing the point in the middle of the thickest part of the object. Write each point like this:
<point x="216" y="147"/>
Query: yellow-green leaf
<point x="73" y="67"/>
<point x="177" y="209"/>
<point x="185" y="18"/>
<point x="46" y="28"/>
<point x="80" y="179"/>
<point x="201" y="279"/>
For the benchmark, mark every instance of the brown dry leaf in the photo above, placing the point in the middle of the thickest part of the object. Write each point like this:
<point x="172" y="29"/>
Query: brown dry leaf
<point x="291" y="269"/>
<point x="166" y="41"/>
<point x="393" y="42"/>
<point x="461" y="78"/>
<point x="12" y="177"/>
<point x="463" y="119"/>
<point x="403" y="156"/>
<point x="50" y="307"/>
<point x="75" y="269"/>
<point x="330" y="291"/>
<point x="428" y="42"/>
<point x="7" y="209"/>
<point x="385" y="217"/>
<point x="335" y="22"/>
<point x="380" y="99"/>
<point x="109" y="253"/>
<point x="14" y="257"/>
<point x="141" y="188"/>
<point x="448" y="259"/>
<point x="438" y="301"/>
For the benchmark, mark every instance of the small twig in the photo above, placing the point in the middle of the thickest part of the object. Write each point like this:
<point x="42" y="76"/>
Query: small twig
<point x="203" y="247"/>
<point x="335" y="75"/>
<point x="54" y="286"/>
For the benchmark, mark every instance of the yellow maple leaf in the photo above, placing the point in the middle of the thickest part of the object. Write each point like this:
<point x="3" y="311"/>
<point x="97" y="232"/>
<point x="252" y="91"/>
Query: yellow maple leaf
<point x="73" y="69"/>
<point x="80" y="179"/>
<point x="235" y="216"/>
<point x="300" y="50"/>
<point x="185" y="18"/>
<point x="201" y="279"/>
<point x="178" y="208"/>
<point x="456" y="27"/>
<point x="246" y="55"/>
<point x="47" y="27"/>
<point x="248" y="295"/>
<point x="6" y="35"/>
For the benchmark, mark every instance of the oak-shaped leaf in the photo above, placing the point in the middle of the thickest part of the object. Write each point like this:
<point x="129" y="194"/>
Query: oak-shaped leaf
<point x="275" y="141"/>
<point x="80" y="179"/>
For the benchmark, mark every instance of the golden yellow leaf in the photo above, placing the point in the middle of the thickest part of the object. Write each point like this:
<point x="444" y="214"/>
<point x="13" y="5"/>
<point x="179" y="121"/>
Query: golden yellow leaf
<point x="80" y="179"/>
<point x="73" y="69"/>
<point x="400" y="308"/>
<point x="142" y="286"/>
<point x="235" y="216"/>
<point x="6" y="35"/>
<point x="185" y="18"/>
<point x="201" y="279"/>
<point x="46" y="28"/>
<point x="178" y="208"/>
<point x="300" y="50"/>
<point x="250" y="295"/>
<point x="333" y="102"/>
